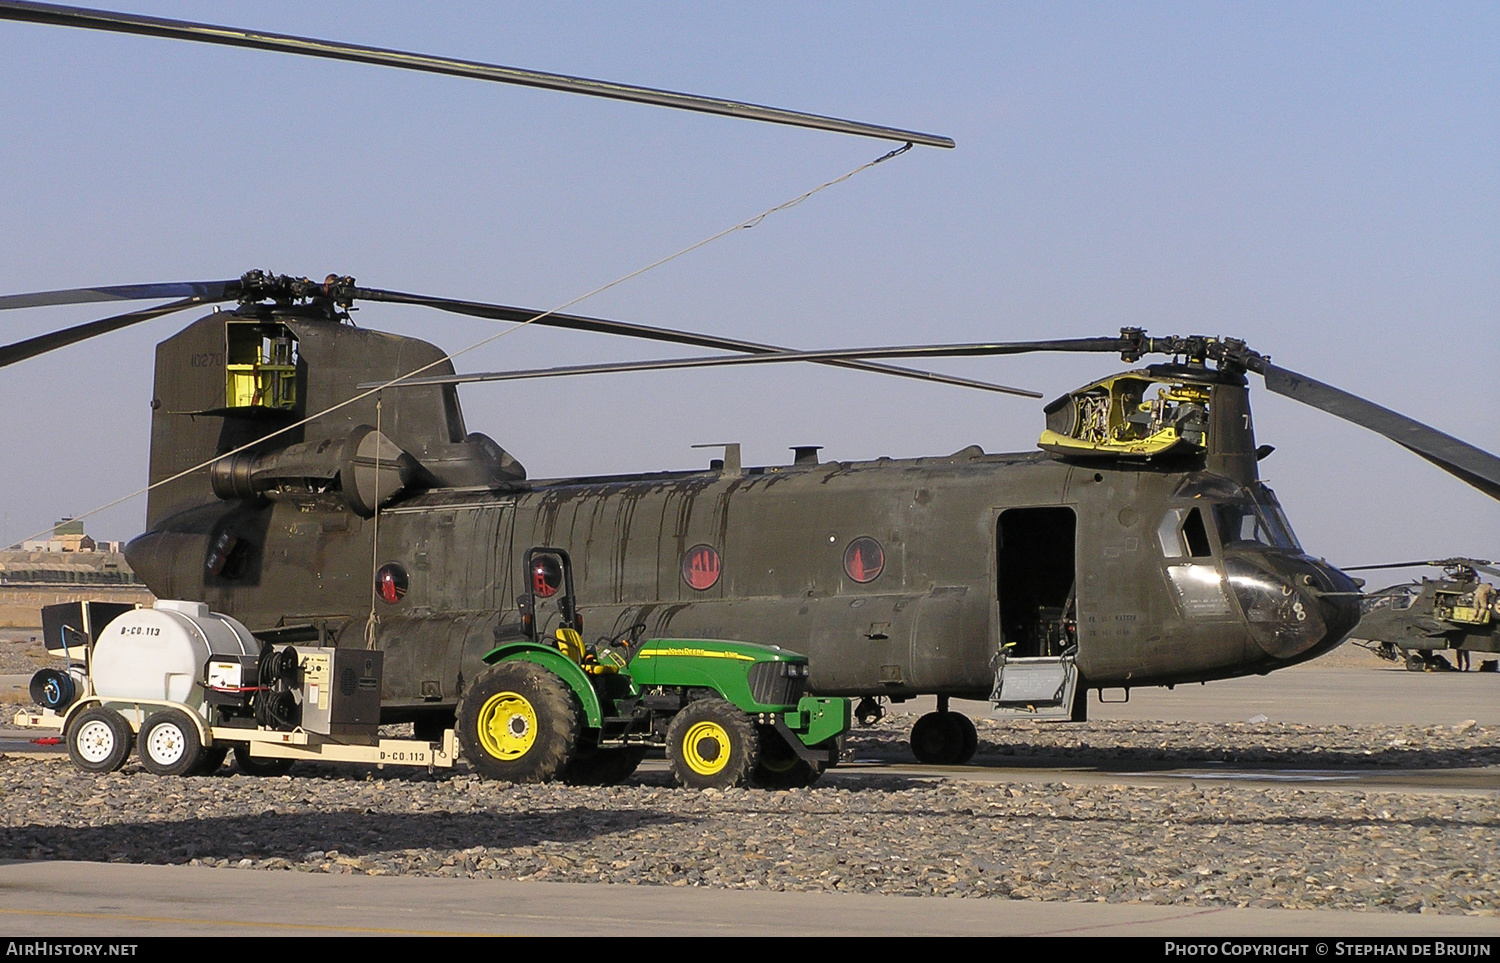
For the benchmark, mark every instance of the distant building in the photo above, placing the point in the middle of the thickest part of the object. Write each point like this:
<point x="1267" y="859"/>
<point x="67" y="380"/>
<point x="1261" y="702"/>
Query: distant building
<point x="90" y="562"/>
<point x="67" y="536"/>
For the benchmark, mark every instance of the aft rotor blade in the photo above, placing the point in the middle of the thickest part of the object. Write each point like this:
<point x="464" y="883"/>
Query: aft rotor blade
<point x="285" y="43"/>
<point x="205" y="290"/>
<point x="30" y="348"/>
<point x="773" y="357"/>
<point x="1475" y="466"/>
<point x="574" y="322"/>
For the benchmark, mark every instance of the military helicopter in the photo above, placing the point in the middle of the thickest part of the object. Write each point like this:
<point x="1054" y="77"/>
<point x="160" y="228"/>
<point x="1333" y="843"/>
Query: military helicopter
<point x="317" y="481"/>
<point x="1138" y="547"/>
<point x="1415" y="622"/>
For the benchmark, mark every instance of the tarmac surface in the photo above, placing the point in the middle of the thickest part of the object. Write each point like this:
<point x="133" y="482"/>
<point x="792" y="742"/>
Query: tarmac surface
<point x="94" y="899"/>
<point x="76" y="899"/>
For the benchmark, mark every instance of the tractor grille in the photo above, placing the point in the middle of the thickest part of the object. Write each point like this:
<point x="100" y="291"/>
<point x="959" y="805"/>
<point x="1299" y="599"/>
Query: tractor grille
<point x="778" y="683"/>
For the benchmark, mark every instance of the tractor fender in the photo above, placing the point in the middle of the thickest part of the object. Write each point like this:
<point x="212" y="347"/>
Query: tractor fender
<point x="559" y="665"/>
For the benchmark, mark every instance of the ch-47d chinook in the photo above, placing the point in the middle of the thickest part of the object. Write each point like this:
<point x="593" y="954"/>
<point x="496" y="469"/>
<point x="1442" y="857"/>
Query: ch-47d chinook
<point x="1138" y="547"/>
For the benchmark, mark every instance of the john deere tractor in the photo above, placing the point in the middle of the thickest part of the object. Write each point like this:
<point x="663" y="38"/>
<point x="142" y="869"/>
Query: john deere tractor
<point x="727" y="713"/>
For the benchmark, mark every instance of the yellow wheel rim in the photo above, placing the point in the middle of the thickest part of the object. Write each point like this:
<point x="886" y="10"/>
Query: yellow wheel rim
<point x="507" y="725"/>
<point x="705" y="748"/>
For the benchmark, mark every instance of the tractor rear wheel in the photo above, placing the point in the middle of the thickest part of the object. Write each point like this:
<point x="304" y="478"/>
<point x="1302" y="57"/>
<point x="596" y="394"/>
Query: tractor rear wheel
<point x="518" y="722"/>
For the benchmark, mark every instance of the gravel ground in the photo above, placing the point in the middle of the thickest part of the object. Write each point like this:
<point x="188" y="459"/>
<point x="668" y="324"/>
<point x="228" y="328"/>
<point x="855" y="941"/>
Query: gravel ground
<point x="1221" y="845"/>
<point x="22" y="653"/>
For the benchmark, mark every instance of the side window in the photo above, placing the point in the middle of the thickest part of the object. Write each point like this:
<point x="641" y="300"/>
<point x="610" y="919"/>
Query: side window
<point x="1182" y="533"/>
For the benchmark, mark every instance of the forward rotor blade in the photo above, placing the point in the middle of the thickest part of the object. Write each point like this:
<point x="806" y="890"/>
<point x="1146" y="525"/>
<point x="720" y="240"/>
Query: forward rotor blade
<point x="30" y="348"/>
<point x="574" y="322"/>
<point x="1475" y="466"/>
<point x="1439" y="563"/>
<point x="205" y="290"/>
<point x="1376" y="568"/>
<point x="771" y="357"/>
<point x="260" y="40"/>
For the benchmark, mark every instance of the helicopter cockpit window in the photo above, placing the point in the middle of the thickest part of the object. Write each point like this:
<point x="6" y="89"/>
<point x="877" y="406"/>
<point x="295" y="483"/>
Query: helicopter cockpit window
<point x="1182" y="533"/>
<point x="1280" y="528"/>
<point x="1255" y="521"/>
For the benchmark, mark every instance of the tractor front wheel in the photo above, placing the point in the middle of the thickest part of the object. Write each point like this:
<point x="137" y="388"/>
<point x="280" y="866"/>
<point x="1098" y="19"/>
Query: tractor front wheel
<point x="711" y="744"/>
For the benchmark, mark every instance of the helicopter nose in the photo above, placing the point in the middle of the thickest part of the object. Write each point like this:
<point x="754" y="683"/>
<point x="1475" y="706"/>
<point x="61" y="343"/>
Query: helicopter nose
<point x="1296" y="607"/>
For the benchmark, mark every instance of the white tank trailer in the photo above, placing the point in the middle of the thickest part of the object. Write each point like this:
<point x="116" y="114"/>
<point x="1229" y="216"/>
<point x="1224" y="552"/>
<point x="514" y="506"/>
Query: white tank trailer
<point x="185" y="685"/>
<point x="160" y="654"/>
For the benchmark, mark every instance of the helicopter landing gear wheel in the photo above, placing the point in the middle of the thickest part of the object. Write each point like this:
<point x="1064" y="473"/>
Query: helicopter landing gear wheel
<point x="869" y="711"/>
<point x="169" y="744"/>
<point x="944" y="739"/>
<point x="1415" y="662"/>
<point x="779" y="766"/>
<point x="518" y="722"/>
<point x="603" y="767"/>
<point x="99" y="740"/>
<point x="711" y="744"/>
<point x="259" y="765"/>
<point x="968" y="738"/>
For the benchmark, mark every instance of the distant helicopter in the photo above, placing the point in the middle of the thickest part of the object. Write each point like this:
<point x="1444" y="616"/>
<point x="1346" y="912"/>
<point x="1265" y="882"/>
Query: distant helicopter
<point x="1418" y="621"/>
<point x="317" y="482"/>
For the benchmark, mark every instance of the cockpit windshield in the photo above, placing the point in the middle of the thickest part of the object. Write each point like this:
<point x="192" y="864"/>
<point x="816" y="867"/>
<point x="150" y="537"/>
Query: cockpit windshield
<point x="1258" y="519"/>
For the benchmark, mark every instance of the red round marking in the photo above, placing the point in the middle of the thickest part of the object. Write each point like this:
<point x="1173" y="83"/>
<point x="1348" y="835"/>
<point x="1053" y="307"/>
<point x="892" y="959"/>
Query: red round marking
<point x="700" y="567"/>
<point x="391" y="583"/>
<point x="864" y="559"/>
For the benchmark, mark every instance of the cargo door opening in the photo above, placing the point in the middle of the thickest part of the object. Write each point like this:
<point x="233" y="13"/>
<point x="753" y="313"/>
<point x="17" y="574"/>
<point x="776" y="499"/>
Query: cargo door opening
<point x="1037" y="575"/>
<point x="1036" y="672"/>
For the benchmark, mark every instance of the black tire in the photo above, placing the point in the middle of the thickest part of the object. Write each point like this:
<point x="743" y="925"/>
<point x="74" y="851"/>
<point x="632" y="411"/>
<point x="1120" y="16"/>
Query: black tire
<point x="518" y="722"/>
<point x="711" y="744"/>
<point x="779" y="766"/>
<point x="968" y="737"/>
<point x="211" y="760"/>
<point x="99" y="740"/>
<point x="942" y="739"/>
<point x="1415" y="662"/>
<point x="259" y="765"/>
<point x="603" y="767"/>
<point x="169" y="744"/>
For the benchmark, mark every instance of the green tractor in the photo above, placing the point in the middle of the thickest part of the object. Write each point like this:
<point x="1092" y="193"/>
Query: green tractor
<point x="727" y="713"/>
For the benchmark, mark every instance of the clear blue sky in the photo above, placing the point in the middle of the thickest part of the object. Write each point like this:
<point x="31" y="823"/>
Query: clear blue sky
<point x="1322" y="180"/>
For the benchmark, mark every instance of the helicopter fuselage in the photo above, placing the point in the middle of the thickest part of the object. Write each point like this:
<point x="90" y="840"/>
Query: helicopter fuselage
<point x="897" y="577"/>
